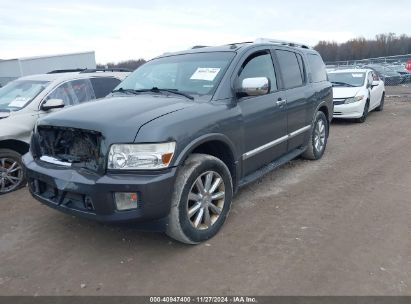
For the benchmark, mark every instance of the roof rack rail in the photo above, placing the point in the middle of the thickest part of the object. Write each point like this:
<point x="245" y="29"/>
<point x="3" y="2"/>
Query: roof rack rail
<point x="199" y="47"/>
<point x="105" y="70"/>
<point x="281" y="42"/>
<point x="65" y="71"/>
<point x="235" y="43"/>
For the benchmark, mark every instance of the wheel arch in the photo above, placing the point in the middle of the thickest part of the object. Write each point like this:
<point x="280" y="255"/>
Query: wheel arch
<point x="16" y="145"/>
<point x="217" y="145"/>
<point x="324" y="107"/>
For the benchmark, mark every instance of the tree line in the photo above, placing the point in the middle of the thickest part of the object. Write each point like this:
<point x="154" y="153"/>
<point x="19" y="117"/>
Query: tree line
<point x="128" y="64"/>
<point x="360" y="48"/>
<point x="355" y="49"/>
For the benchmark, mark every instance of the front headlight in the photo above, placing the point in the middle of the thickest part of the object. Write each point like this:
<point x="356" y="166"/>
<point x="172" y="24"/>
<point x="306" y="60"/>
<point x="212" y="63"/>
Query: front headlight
<point x="140" y="156"/>
<point x="354" y="99"/>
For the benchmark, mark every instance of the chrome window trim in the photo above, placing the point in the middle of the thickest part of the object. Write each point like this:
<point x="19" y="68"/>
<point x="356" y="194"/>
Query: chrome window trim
<point x="275" y="142"/>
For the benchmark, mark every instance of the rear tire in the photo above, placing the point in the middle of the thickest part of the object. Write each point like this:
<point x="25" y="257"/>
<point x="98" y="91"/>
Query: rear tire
<point x="11" y="171"/>
<point x="318" y="138"/>
<point x="201" y="199"/>
<point x="381" y="106"/>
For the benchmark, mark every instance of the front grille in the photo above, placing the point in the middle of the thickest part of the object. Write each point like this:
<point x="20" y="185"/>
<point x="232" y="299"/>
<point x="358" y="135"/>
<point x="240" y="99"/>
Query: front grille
<point x="79" y="147"/>
<point x="339" y="101"/>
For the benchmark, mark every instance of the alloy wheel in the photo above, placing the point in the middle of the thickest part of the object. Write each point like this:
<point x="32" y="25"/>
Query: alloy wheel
<point x="11" y="174"/>
<point x="206" y="200"/>
<point x="319" y="135"/>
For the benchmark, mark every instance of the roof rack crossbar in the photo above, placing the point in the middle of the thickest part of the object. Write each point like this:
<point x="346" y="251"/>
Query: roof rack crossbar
<point x="66" y="71"/>
<point x="105" y="70"/>
<point x="282" y="42"/>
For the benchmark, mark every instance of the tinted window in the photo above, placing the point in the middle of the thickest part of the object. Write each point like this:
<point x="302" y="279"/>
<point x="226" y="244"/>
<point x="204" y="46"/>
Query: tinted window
<point x="73" y="92"/>
<point x="290" y="69"/>
<point x="259" y="65"/>
<point x="302" y="66"/>
<point x="104" y="85"/>
<point x="318" y="72"/>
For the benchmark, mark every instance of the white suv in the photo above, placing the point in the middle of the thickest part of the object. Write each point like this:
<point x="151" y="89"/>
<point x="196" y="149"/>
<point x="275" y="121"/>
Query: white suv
<point x="356" y="93"/>
<point x="26" y="99"/>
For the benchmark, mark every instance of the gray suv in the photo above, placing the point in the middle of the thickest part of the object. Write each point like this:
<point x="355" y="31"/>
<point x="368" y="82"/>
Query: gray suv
<point x="177" y="139"/>
<point x="26" y="99"/>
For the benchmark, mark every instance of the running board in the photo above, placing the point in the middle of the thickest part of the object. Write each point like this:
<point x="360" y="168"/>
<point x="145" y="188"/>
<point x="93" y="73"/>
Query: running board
<point x="270" y="167"/>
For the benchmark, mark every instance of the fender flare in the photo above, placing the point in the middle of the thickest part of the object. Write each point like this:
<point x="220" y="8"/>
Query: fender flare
<point x="203" y="139"/>
<point x="330" y="111"/>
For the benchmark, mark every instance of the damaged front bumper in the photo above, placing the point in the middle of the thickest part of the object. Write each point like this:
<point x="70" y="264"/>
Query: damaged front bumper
<point x="88" y="194"/>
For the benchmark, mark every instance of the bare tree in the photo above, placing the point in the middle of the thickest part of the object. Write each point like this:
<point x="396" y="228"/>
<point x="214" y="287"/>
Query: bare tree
<point x="360" y="48"/>
<point x="129" y="64"/>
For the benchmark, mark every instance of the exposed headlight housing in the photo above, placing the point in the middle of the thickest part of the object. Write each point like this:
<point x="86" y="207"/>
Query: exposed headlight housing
<point x="354" y="99"/>
<point x="140" y="156"/>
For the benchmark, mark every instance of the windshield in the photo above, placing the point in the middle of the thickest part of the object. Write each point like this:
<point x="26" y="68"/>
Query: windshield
<point x="347" y="79"/>
<point x="16" y="94"/>
<point x="195" y="74"/>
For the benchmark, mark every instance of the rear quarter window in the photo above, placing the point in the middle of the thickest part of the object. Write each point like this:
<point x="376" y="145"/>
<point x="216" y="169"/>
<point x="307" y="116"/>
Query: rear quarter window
<point x="318" y="72"/>
<point x="104" y="85"/>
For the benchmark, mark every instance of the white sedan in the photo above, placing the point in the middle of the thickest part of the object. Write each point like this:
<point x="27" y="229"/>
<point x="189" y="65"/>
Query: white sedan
<point x="356" y="93"/>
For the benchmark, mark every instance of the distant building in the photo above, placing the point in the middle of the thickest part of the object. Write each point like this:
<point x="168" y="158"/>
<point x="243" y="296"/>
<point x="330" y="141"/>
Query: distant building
<point x="14" y="68"/>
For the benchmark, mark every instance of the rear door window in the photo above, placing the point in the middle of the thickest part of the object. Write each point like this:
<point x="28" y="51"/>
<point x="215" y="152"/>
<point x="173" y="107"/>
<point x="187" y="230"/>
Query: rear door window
<point x="104" y="85"/>
<point x="290" y="69"/>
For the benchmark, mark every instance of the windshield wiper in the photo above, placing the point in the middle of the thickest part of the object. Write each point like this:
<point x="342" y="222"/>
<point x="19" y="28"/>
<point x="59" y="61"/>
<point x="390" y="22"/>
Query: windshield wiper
<point x="154" y="90"/>
<point x="130" y="91"/>
<point x="342" y="84"/>
<point x="173" y="91"/>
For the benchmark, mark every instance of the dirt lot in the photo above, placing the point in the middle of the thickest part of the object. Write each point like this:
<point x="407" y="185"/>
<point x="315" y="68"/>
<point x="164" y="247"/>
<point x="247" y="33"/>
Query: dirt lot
<point x="339" y="226"/>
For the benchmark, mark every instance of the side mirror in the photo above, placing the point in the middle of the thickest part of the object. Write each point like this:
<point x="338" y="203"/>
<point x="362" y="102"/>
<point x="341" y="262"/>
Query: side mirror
<point x="52" y="104"/>
<point x="254" y="86"/>
<point x="375" y="83"/>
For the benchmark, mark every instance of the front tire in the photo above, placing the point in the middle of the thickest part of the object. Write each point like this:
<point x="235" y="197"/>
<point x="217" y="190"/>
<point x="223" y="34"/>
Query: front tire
<point x="365" y="112"/>
<point x="381" y="106"/>
<point x="201" y="199"/>
<point x="11" y="171"/>
<point x="318" y="139"/>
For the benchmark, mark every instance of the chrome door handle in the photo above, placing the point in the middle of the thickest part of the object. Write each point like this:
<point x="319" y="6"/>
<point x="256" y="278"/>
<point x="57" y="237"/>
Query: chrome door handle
<point x="281" y="102"/>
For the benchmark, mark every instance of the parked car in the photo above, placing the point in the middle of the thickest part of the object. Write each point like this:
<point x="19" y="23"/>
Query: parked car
<point x="400" y="68"/>
<point x="390" y="77"/>
<point x="356" y="93"/>
<point x="179" y="137"/>
<point x="28" y="98"/>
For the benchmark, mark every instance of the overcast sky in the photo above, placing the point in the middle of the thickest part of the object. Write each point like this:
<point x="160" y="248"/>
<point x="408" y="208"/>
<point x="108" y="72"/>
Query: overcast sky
<point x="119" y="29"/>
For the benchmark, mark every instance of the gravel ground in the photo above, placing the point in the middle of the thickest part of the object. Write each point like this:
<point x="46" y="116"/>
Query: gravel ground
<point x="339" y="226"/>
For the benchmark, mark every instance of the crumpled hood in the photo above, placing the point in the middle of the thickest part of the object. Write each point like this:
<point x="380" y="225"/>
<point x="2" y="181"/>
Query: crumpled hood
<point x="117" y="118"/>
<point x="345" y="92"/>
